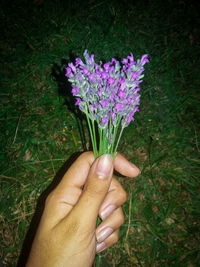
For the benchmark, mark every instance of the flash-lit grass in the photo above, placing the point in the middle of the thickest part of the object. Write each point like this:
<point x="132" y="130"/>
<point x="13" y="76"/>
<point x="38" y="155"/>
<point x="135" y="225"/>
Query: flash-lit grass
<point x="39" y="133"/>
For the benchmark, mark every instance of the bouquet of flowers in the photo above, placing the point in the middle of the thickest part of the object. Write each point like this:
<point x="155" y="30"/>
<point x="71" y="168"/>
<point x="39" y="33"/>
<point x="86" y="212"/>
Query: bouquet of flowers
<point x="109" y="96"/>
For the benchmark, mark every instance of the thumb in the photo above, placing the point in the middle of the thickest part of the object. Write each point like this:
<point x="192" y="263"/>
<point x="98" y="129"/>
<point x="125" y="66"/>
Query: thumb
<point x="95" y="190"/>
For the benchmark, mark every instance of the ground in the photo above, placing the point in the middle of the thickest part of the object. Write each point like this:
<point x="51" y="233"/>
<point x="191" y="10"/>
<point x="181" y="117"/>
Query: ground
<point x="40" y="131"/>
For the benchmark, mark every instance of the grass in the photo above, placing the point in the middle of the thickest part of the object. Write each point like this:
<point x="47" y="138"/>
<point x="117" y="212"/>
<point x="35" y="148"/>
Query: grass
<point x="39" y="132"/>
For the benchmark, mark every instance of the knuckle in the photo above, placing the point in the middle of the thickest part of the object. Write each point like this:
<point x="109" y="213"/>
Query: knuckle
<point x="115" y="237"/>
<point x="121" y="220"/>
<point x="49" y="198"/>
<point x="87" y="154"/>
<point x="93" y="190"/>
<point x="120" y="192"/>
<point x="122" y="195"/>
<point x="53" y="197"/>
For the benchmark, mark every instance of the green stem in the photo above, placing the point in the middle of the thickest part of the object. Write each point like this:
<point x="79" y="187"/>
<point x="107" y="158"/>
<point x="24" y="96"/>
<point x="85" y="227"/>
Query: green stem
<point x="104" y="143"/>
<point x="91" y="134"/>
<point x="98" y="260"/>
<point x="100" y="142"/>
<point x="115" y="133"/>
<point x="109" y="137"/>
<point x="120" y="134"/>
<point x="95" y="141"/>
<point x="113" y="141"/>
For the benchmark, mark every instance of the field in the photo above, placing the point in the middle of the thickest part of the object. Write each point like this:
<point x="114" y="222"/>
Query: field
<point x="40" y="131"/>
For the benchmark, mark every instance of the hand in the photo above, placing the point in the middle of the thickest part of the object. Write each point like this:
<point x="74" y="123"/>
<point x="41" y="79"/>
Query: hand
<point x="67" y="234"/>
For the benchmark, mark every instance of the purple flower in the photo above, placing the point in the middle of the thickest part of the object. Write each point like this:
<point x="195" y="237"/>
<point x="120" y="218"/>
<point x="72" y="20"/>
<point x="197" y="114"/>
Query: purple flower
<point x="68" y="72"/>
<point x="136" y="109"/>
<point x="104" y="120"/>
<point x="130" y="100"/>
<point x="125" y="61"/>
<point x="119" y="107"/>
<point x="104" y="75"/>
<point x="137" y="89"/>
<point x="135" y="75"/>
<point x="79" y="62"/>
<point x="122" y="84"/>
<point x="91" y="77"/>
<point x="131" y="58"/>
<point x="89" y="59"/>
<point x="99" y="92"/>
<point x="106" y="66"/>
<point x="144" y="59"/>
<point x="92" y="108"/>
<point x="75" y="90"/>
<point x="85" y="71"/>
<point x="111" y="81"/>
<point x="121" y="94"/>
<point x="104" y="103"/>
<point x="112" y="115"/>
<point x="71" y="65"/>
<point x="130" y="117"/>
<point x="78" y="102"/>
<point x="113" y="61"/>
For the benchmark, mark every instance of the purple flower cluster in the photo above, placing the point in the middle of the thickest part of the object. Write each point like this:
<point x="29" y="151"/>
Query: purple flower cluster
<point x="108" y="92"/>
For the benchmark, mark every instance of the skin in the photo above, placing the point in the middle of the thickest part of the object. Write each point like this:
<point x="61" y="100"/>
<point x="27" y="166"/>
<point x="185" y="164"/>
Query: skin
<point x="67" y="234"/>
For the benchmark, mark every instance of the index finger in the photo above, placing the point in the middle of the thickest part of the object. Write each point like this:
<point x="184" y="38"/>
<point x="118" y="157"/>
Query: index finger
<point x="125" y="167"/>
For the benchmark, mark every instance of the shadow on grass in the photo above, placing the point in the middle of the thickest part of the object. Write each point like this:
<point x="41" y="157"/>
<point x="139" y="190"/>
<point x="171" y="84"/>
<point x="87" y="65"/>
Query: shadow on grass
<point x="64" y="89"/>
<point x="39" y="210"/>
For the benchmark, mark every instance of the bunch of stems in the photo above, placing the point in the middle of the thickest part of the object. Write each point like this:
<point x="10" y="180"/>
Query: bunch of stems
<point x="109" y="136"/>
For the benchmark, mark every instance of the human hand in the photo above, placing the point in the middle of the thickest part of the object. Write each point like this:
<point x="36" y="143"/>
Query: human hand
<point x="67" y="234"/>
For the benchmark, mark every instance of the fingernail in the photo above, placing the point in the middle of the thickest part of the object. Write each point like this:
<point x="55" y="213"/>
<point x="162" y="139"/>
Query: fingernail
<point x="103" y="234"/>
<point x="104" y="166"/>
<point x="107" y="211"/>
<point x="100" y="247"/>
